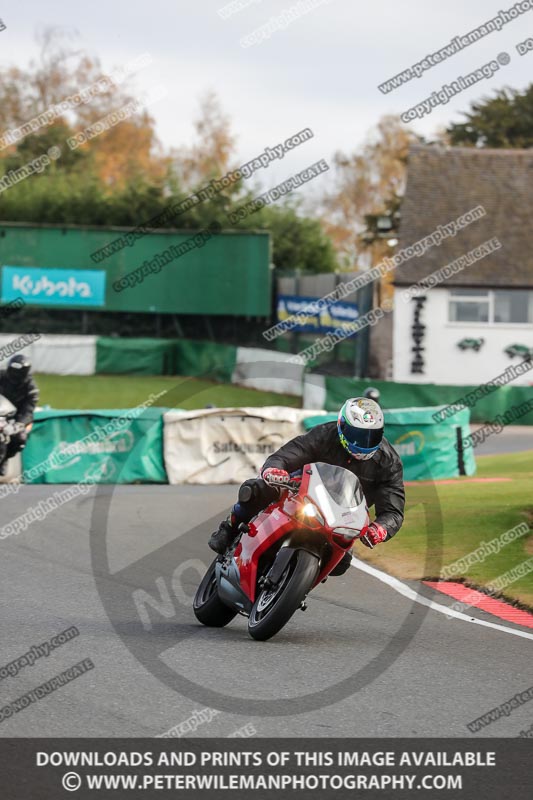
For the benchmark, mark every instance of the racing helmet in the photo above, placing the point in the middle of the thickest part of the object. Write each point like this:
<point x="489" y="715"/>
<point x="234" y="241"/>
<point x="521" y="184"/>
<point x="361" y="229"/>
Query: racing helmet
<point x="360" y="427"/>
<point x="18" y="368"/>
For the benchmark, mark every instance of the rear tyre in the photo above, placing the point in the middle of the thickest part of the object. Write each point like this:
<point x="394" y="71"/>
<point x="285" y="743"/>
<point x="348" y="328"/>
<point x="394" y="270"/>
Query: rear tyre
<point x="275" y="606"/>
<point x="207" y="606"/>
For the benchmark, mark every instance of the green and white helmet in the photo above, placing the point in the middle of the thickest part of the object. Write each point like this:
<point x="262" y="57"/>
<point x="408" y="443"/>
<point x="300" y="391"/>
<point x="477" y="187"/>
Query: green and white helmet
<point x="360" y="426"/>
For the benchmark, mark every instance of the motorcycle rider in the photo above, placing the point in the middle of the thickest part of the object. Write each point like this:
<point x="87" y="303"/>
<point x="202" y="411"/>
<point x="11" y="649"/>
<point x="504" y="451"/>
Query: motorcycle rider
<point x="17" y="385"/>
<point x="356" y="442"/>
<point x="372" y="393"/>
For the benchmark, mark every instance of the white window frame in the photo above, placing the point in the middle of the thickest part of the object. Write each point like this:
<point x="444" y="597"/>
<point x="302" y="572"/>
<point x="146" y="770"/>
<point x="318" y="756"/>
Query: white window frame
<point x="490" y="322"/>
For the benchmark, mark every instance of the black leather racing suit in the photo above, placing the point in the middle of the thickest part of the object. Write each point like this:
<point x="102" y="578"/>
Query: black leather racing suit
<point x="381" y="476"/>
<point x="24" y="396"/>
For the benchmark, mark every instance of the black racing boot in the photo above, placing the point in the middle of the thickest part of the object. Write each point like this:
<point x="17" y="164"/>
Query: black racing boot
<point x="226" y="534"/>
<point x="343" y="565"/>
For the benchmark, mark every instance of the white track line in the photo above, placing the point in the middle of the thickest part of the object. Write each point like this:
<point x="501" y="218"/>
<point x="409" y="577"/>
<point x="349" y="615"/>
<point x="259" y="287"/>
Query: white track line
<point x="402" y="588"/>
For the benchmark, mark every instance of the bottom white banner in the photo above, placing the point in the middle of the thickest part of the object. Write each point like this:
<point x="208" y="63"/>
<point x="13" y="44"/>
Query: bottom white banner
<point x="226" y="445"/>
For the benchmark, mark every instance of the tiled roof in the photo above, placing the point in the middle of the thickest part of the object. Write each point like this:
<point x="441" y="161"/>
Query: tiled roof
<point x="445" y="182"/>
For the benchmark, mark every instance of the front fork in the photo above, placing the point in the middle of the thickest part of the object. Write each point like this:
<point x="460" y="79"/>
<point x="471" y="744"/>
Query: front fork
<point x="282" y="560"/>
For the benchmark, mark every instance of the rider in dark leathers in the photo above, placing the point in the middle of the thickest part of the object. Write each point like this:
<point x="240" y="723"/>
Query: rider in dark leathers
<point x="17" y="385"/>
<point x="359" y="448"/>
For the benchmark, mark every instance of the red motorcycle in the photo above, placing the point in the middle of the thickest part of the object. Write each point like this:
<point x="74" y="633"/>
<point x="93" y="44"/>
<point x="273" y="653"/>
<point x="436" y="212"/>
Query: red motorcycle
<point x="285" y="551"/>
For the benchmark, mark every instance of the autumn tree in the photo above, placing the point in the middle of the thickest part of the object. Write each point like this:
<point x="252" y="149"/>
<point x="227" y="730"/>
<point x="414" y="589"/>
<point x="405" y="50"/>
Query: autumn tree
<point x="298" y="241"/>
<point x="367" y="182"/>
<point x="121" y="176"/>
<point x="117" y="156"/>
<point x="214" y="145"/>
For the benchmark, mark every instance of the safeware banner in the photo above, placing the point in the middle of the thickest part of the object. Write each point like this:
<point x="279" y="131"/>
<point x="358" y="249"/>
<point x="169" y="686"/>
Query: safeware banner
<point x="225" y="445"/>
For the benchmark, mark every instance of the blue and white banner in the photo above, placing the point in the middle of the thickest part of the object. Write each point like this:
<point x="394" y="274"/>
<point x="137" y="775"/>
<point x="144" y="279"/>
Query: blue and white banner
<point x="322" y="318"/>
<point x="54" y="287"/>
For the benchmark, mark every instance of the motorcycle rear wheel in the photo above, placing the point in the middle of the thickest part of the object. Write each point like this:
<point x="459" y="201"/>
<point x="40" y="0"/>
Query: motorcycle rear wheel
<point x="207" y="606"/>
<point x="275" y="606"/>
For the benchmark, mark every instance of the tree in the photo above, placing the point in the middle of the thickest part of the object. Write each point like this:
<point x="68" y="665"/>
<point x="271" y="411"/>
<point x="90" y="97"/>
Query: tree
<point x="367" y="182"/>
<point x="121" y="176"/>
<point x="24" y="93"/>
<point x="504" y="120"/>
<point x="210" y="155"/>
<point x="117" y="155"/>
<point x="298" y="242"/>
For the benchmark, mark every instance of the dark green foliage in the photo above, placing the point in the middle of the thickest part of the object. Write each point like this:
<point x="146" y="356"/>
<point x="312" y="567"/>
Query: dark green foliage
<point x="505" y="120"/>
<point x="70" y="191"/>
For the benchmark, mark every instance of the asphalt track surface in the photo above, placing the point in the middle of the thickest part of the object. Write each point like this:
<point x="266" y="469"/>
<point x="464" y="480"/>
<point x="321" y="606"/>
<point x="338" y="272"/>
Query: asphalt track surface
<point x="436" y="676"/>
<point x="513" y="439"/>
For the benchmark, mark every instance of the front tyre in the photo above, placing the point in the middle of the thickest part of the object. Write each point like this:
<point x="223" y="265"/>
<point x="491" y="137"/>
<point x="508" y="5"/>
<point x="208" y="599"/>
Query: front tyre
<point x="275" y="606"/>
<point x="207" y="606"/>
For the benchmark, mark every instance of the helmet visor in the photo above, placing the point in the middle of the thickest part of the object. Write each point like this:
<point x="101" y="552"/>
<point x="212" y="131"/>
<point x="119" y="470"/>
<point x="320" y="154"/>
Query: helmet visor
<point x="365" y="438"/>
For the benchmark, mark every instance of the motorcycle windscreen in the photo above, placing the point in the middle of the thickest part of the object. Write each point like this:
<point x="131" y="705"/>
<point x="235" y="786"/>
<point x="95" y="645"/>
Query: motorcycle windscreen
<point x="338" y="494"/>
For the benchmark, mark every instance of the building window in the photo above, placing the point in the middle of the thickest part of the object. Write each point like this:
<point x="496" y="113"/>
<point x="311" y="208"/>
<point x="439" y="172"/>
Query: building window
<point x="499" y="306"/>
<point x="513" y="306"/>
<point x="469" y="305"/>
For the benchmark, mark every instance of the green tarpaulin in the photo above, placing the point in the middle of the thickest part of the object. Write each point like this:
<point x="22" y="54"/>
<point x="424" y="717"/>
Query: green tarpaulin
<point x="116" y="446"/>
<point x="402" y="395"/>
<point x="135" y="356"/>
<point x="208" y="359"/>
<point x="427" y="449"/>
<point x="165" y="357"/>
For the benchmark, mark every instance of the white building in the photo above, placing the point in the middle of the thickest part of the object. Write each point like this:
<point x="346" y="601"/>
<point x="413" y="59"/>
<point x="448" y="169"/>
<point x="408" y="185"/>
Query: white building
<point x="479" y="310"/>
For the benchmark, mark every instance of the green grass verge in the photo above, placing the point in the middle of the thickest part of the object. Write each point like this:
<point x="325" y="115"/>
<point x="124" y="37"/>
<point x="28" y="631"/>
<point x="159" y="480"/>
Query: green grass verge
<point x="128" y="391"/>
<point x="472" y="513"/>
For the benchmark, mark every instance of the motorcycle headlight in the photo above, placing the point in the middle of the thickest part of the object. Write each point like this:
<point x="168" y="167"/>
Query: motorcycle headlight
<point x="312" y="513"/>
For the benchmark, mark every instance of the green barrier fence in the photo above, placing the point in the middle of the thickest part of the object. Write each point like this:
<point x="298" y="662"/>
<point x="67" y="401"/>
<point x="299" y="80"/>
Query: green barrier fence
<point x="165" y="357"/>
<point x="213" y="360"/>
<point x="408" y="395"/>
<point x="135" y="356"/>
<point x="109" y="446"/>
<point x="344" y="351"/>
<point x="427" y="449"/>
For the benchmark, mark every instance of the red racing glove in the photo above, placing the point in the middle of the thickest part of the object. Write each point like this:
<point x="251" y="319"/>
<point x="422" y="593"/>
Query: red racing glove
<point x="375" y="534"/>
<point x="274" y="476"/>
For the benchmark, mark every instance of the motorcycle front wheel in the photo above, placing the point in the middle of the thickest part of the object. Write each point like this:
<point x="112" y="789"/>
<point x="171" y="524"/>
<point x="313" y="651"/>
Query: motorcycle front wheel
<point x="275" y="605"/>
<point x="207" y="606"/>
